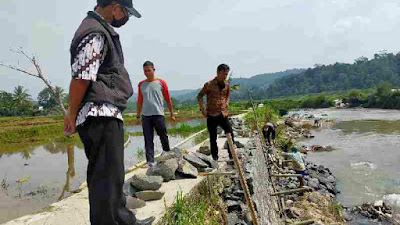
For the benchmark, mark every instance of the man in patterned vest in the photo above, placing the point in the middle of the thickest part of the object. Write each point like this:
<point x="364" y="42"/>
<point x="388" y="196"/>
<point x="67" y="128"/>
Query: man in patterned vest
<point x="99" y="90"/>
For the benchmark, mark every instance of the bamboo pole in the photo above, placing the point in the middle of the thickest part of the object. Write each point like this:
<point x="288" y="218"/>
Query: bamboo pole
<point x="288" y="192"/>
<point x="242" y="180"/>
<point x="216" y="174"/>
<point x="305" y="222"/>
<point x="286" y="175"/>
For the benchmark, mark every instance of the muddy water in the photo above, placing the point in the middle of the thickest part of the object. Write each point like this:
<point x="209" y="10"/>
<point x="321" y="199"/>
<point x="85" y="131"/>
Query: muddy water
<point x="45" y="169"/>
<point x="366" y="159"/>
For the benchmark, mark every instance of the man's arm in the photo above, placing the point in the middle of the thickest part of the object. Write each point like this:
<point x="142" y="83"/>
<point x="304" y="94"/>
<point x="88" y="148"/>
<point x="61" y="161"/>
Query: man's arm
<point x="228" y="95"/>
<point x="167" y="98"/>
<point x="139" y="101"/>
<point x="200" y="96"/>
<point x="77" y="90"/>
<point x="89" y="55"/>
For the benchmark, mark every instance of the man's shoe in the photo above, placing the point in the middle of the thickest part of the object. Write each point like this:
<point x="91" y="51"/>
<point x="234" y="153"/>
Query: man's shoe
<point x="147" y="221"/>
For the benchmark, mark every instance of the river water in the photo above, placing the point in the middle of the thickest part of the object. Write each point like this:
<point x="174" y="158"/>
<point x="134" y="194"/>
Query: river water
<point x="366" y="159"/>
<point x="45" y="169"/>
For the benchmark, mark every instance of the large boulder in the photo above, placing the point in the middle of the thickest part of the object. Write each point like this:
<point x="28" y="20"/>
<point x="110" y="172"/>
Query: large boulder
<point x="166" y="156"/>
<point x="165" y="169"/>
<point x="207" y="159"/>
<point x="150" y="195"/>
<point x="134" y="203"/>
<point x="187" y="169"/>
<point x="195" y="161"/>
<point x="143" y="182"/>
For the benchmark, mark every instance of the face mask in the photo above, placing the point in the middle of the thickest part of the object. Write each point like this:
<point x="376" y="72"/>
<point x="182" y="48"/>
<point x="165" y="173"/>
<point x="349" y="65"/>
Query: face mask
<point x="119" y="23"/>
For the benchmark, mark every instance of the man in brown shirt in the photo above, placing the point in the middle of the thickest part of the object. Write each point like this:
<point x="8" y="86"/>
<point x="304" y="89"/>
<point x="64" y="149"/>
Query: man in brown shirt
<point x="217" y="92"/>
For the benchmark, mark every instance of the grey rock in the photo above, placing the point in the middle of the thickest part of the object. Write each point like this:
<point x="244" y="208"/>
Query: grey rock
<point x="143" y="182"/>
<point x="323" y="180"/>
<point x="238" y="144"/>
<point x="166" y="156"/>
<point x="292" y="186"/>
<point x="233" y="219"/>
<point x="206" y="150"/>
<point x="206" y="170"/>
<point x="195" y="161"/>
<point x="207" y="159"/>
<point x="347" y="215"/>
<point x="150" y="195"/>
<point x="134" y="203"/>
<point x="331" y="179"/>
<point x="166" y="169"/>
<point x="187" y="169"/>
<point x="313" y="183"/>
<point x="314" y="197"/>
<point x="233" y="206"/>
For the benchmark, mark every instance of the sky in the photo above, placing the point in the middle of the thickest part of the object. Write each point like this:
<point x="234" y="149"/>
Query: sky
<point x="188" y="39"/>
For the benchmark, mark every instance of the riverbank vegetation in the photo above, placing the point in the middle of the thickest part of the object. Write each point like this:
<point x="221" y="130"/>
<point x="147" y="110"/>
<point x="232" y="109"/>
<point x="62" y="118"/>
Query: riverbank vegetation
<point x="202" y="206"/>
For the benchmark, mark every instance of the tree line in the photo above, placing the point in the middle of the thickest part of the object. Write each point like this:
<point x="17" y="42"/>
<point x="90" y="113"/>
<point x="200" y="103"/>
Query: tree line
<point x="362" y="74"/>
<point x="20" y="102"/>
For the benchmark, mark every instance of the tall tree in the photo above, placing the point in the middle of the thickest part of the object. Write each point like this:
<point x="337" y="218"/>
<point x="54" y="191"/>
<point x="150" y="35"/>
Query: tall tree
<point x="21" y="95"/>
<point x="48" y="99"/>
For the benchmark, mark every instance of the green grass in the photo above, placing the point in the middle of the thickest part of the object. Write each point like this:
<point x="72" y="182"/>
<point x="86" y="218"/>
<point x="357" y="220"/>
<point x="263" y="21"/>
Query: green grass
<point x="186" y="129"/>
<point x="203" y="206"/>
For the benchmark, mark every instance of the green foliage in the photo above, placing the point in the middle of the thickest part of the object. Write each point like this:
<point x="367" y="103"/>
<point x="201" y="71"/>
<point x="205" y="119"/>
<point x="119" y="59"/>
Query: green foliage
<point x="363" y="74"/>
<point x="17" y="103"/>
<point x="48" y="99"/>
<point x="262" y="115"/>
<point x="336" y="209"/>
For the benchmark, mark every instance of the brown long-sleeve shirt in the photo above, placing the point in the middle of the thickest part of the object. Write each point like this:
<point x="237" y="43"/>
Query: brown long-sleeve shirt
<point x="217" y="100"/>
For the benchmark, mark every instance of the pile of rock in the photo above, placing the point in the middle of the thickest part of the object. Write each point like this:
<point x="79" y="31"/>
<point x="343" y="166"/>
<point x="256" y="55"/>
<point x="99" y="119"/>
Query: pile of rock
<point x="170" y="166"/>
<point x="317" y="177"/>
<point x="379" y="211"/>
<point x="296" y="130"/>
<point x="142" y="188"/>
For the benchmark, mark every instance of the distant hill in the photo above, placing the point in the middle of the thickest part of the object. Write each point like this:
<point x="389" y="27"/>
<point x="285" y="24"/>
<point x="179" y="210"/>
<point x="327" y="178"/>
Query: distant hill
<point x="362" y="74"/>
<point x="255" y="83"/>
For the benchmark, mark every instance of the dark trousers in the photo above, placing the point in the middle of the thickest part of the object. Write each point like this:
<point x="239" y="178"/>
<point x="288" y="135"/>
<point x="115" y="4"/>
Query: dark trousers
<point x="151" y="123"/>
<point x="212" y="124"/>
<point x="103" y="139"/>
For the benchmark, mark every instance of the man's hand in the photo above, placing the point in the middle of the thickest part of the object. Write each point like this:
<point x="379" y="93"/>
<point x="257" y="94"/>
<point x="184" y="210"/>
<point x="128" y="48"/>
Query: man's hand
<point x="69" y="125"/>
<point x="204" y="112"/>
<point x="173" y="118"/>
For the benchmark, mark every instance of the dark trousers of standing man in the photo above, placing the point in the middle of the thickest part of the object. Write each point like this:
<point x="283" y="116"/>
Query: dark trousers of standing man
<point x="212" y="124"/>
<point x="150" y="123"/>
<point x="103" y="139"/>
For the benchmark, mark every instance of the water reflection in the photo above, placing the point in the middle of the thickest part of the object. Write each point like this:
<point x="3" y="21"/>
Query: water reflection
<point x="52" y="173"/>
